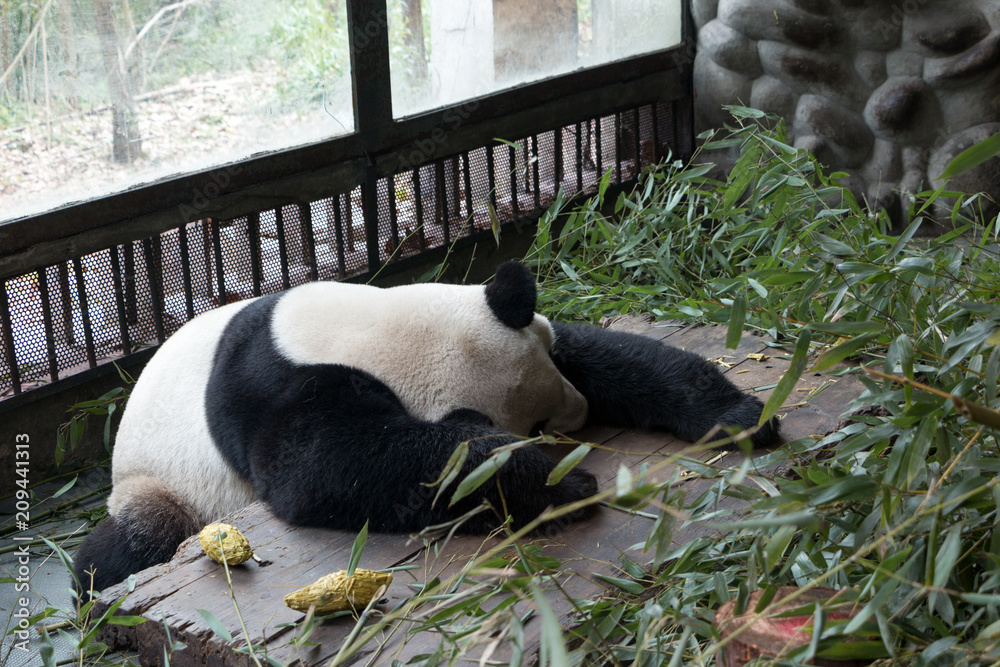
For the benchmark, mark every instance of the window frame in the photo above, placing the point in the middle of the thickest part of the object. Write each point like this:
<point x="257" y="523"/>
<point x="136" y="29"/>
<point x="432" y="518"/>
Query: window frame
<point x="380" y="145"/>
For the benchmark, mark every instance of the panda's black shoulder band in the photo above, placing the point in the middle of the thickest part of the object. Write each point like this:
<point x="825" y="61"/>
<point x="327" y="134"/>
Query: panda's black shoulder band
<point x="512" y="295"/>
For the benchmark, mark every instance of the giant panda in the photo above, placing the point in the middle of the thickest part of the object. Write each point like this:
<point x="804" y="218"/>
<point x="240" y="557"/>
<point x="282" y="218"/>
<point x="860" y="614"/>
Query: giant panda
<point x="332" y="402"/>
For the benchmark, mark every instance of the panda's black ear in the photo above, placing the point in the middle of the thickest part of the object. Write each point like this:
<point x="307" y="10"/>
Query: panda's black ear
<point x="511" y="296"/>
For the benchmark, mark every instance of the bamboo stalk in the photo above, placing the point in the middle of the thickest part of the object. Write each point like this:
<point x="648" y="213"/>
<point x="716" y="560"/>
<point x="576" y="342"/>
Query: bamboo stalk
<point x="971" y="411"/>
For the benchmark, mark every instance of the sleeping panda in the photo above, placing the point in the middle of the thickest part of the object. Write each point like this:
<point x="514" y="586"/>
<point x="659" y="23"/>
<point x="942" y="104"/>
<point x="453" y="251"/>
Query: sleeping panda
<point x="333" y="402"/>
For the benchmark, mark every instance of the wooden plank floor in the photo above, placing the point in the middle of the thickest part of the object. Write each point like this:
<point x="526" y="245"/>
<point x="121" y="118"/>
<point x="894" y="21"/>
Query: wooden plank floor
<point x="170" y="595"/>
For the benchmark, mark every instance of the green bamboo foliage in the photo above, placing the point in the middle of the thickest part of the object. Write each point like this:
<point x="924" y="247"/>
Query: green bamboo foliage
<point x="901" y="506"/>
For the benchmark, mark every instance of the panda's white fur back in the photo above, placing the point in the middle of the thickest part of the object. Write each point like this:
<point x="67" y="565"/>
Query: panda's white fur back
<point x="437" y="347"/>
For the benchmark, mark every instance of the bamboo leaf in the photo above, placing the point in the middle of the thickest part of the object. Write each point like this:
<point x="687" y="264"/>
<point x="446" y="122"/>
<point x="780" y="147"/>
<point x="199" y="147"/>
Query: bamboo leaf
<point x="848" y="328"/>
<point x="842" y="351"/>
<point x="569" y="462"/>
<point x="736" y="320"/>
<point x="215" y="624"/>
<point x="777" y="544"/>
<point x="46" y="651"/>
<point x="66" y="487"/>
<point x="855" y="487"/>
<point x="494" y="222"/>
<point x="129" y="621"/>
<point x="451" y="470"/>
<point x="787" y="278"/>
<point x="693" y="172"/>
<point x="791" y="376"/>
<point x="478" y="477"/>
<point x="947" y="556"/>
<point x="357" y="549"/>
<point x="971" y="157"/>
<point x="632" y="587"/>
<point x="854" y="650"/>
<point x="553" y="647"/>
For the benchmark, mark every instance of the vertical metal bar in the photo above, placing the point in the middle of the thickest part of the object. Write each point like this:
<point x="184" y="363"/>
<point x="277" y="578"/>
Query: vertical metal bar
<point x="338" y="224"/>
<point x="442" y="200"/>
<point x="674" y="138"/>
<point x="349" y="221"/>
<point x="418" y="199"/>
<point x="557" y="156"/>
<point x="393" y="213"/>
<point x="207" y="261"/>
<point x="470" y="211"/>
<point x="67" y="303"/>
<point x="50" y="336"/>
<point x="597" y="147"/>
<point x="220" y="271"/>
<point x="685" y="121"/>
<point x="369" y="207"/>
<point x="8" y="339"/>
<point x="535" y="170"/>
<point x="81" y="292"/>
<point x="491" y="171"/>
<point x="116" y="280"/>
<point x="685" y="107"/>
<point x="456" y="186"/>
<point x="618" y="146"/>
<point x="309" y="241"/>
<point x="131" y="297"/>
<point x="186" y="271"/>
<point x="279" y="225"/>
<point x="512" y="163"/>
<point x="579" y="157"/>
<point x="253" y="235"/>
<point x="637" y="142"/>
<point x="151" y="249"/>
<point x="654" y="109"/>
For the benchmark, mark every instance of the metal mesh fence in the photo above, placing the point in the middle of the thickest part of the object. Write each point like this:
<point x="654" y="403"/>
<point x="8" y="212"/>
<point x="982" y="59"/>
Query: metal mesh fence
<point x="73" y="316"/>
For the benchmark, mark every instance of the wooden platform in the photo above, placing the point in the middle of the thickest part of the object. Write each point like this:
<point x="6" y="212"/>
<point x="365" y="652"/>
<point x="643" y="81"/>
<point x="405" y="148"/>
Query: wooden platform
<point x="170" y="595"/>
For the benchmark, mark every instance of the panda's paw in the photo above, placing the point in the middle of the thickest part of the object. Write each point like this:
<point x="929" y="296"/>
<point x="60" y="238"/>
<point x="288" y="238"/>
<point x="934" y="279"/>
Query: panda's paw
<point x="577" y="485"/>
<point x="745" y="414"/>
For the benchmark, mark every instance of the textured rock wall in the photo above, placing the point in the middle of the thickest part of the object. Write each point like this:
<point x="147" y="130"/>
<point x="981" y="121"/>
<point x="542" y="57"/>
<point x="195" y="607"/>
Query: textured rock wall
<point x="887" y="90"/>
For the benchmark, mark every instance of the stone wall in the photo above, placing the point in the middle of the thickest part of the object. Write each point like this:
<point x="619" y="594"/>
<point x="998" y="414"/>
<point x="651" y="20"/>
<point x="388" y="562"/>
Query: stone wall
<point x="887" y="90"/>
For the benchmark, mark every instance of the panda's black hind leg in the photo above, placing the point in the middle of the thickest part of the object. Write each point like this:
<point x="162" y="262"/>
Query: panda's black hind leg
<point x="145" y="531"/>
<point x="635" y="381"/>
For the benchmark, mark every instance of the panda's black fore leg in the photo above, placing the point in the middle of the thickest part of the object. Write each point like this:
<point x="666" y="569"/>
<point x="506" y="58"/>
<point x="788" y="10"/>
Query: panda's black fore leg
<point x="339" y="454"/>
<point x="634" y="381"/>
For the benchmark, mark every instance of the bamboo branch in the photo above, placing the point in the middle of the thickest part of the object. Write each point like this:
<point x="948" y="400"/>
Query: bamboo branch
<point x="971" y="411"/>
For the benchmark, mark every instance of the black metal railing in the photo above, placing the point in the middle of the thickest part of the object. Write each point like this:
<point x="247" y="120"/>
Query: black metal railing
<point x="112" y="278"/>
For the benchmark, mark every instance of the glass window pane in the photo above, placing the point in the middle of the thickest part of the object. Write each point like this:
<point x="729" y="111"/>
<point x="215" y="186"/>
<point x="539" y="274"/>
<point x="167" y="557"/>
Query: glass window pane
<point x="101" y="95"/>
<point x="445" y="51"/>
